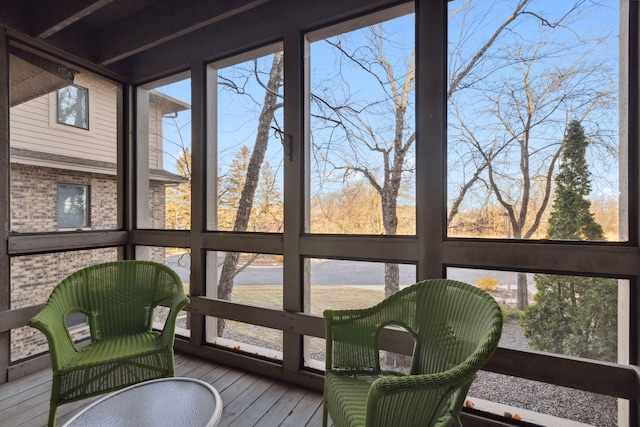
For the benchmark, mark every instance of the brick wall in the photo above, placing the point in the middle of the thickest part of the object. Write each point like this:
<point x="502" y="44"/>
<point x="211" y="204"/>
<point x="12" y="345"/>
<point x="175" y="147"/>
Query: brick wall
<point x="34" y="199"/>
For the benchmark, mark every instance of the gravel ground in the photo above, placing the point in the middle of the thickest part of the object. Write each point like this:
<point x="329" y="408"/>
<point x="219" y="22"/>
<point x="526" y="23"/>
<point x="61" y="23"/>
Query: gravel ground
<point x="559" y="401"/>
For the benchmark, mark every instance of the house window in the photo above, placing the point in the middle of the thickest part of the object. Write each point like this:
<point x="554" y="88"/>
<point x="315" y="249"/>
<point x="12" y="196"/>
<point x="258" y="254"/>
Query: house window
<point x="73" y="106"/>
<point x="73" y="206"/>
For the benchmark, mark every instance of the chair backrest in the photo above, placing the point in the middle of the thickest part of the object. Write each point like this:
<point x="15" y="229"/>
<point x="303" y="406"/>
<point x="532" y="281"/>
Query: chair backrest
<point x="118" y="297"/>
<point x="454" y="321"/>
<point x="449" y="320"/>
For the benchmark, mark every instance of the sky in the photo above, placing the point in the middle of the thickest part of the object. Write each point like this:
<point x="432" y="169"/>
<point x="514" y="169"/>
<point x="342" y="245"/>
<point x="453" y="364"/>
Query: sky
<point x="237" y="113"/>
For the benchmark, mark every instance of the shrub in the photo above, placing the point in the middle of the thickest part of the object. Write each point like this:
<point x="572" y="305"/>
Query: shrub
<point x="572" y="315"/>
<point x="487" y="284"/>
<point x="511" y="313"/>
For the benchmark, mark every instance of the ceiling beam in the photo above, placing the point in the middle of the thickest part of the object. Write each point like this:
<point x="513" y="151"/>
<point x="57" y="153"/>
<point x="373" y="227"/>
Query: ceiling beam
<point x="59" y="14"/>
<point x="163" y="21"/>
<point x="14" y="16"/>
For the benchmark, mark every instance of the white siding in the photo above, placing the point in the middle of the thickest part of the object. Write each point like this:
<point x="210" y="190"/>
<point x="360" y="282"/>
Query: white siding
<point x="155" y="137"/>
<point x="34" y="127"/>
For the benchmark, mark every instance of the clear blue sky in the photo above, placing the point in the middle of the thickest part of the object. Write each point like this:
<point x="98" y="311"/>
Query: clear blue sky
<point x="238" y="114"/>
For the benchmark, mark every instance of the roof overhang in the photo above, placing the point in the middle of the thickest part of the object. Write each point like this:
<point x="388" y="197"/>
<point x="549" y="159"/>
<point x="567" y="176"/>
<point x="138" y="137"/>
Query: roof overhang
<point x="33" y="76"/>
<point x="58" y="161"/>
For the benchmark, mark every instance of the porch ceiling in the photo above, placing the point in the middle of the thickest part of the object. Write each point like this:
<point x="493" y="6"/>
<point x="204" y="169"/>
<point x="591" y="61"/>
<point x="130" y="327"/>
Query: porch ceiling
<point x="108" y="31"/>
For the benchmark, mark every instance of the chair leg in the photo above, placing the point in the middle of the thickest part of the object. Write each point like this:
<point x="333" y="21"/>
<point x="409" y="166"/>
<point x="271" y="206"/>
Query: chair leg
<point x="52" y="414"/>
<point x="325" y="414"/>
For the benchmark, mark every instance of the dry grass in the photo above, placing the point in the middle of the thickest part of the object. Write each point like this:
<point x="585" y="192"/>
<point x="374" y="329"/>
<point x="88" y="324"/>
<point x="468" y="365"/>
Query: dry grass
<point x="322" y="297"/>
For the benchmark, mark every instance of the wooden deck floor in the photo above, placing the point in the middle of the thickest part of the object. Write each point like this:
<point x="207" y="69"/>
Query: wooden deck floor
<point x="249" y="400"/>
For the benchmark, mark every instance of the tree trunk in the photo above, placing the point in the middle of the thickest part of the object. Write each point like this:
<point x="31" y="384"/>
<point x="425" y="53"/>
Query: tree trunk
<point x="225" y="285"/>
<point x="523" y="293"/>
<point x="391" y="279"/>
<point x="390" y="221"/>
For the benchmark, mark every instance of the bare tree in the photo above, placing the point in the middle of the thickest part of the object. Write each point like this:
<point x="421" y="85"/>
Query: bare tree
<point x="512" y="132"/>
<point x="355" y="132"/>
<point x="373" y="139"/>
<point x="245" y="205"/>
<point x="527" y="83"/>
<point x="470" y="68"/>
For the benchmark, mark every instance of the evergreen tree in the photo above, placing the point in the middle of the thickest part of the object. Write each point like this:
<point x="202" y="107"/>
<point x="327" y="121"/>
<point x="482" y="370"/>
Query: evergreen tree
<point x="571" y="218"/>
<point x="230" y="188"/>
<point x="178" y="197"/>
<point x="573" y="315"/>
<point x="268" y="205"/>
<point x="266" y="213"/>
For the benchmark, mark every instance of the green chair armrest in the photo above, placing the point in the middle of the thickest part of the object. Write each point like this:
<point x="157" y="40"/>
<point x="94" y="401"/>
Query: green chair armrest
<point x="402" y="383"/>
<point x="168" y="331"/>
<point x="51" y="322"/>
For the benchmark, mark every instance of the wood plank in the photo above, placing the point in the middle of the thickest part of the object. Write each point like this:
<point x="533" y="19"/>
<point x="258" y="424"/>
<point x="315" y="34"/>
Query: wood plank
<point x="316" y="419"/>
<point x="18" y="397"/>
<point x="64" y="413"/>
<point x="304" y="324"/>
<point x="187" y="367"/>
<point x="164" y="238"/>
<point x="215" y="374"/>
<point x="11" y="319"/>
<point x="597" y="377"/>
<point x="234" y="390"/>
<point x="170" y="20"/>
<point x="61" y="13"/>
<point x="30" y="366"/>
<point x="279" y="412"/>
<point x="617" y="261"/>
<point x="21" y="245"/>
<point x="199" y="177"/>
<point x="373" y="248"/>
<point x="431" y="174"/>
<point x="24" y="383"/>
<point x="199" y="372"/>
<point x="37" y="417"/>
<point x="234" y="410"/>
<point x="304" y="410"/>
<point x="260" y="406"/>
<point x="264" y="243"/>
<point x="227" y="380"/>
<point x="179" y="359"/>
<point x="27" y="409"/>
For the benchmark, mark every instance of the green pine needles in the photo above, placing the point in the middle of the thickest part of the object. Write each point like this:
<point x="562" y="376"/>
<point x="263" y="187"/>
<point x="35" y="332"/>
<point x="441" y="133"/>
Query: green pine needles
<point x="573" y="315"/>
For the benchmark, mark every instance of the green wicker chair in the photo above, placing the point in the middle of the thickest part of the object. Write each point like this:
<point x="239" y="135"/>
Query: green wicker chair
<point x="119" y="298"/>
<point x="456" y="327"/>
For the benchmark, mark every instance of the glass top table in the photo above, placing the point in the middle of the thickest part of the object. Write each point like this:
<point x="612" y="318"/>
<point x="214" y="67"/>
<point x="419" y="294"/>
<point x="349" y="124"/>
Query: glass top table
<point x="172" y="402"/>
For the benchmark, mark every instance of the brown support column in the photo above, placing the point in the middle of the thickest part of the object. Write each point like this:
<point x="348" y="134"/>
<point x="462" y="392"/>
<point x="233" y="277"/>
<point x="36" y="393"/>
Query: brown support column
<point x="431" y="134"/>
<point x="295" y="289"/>
<point x="5" y="165"/>
<point x="198" y="195"/>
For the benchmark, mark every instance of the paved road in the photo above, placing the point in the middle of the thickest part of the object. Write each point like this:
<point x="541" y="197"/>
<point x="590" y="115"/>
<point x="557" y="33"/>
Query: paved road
<point x="354" y="273"/>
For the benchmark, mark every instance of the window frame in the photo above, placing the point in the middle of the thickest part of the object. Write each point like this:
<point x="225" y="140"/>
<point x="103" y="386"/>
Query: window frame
<point x="85" y="108"/>
<point x="60" y="208"/>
